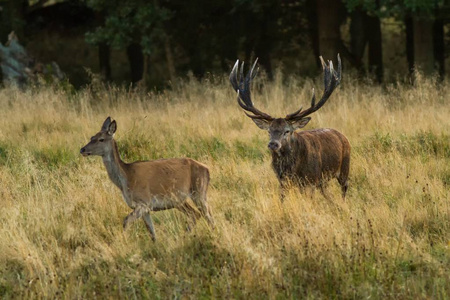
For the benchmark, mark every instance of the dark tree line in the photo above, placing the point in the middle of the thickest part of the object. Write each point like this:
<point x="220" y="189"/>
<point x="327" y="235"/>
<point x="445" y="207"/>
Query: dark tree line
<point x="207" y="36"/>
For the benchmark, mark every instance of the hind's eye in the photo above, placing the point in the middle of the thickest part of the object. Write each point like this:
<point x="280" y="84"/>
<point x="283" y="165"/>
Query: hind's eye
<point x="286" y="132"/>
<point x="101" y="140"/>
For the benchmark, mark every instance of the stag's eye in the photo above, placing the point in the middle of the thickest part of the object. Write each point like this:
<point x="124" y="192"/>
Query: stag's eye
<point x="101" y="140"/>
<point x="287" y="132"/>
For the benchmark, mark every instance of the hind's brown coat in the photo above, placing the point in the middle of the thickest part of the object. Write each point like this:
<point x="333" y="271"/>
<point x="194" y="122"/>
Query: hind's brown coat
<point x="152" y="185"/>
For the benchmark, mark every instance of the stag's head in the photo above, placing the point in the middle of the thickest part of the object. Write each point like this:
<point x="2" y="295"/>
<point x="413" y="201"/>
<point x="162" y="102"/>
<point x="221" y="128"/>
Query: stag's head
<point x="281" y="129"/>
<point x="102" y="142"/>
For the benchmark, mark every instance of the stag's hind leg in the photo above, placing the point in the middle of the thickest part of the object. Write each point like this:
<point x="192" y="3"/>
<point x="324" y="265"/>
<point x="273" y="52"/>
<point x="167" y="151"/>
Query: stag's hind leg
<point x="344" y="186"/>
<point x="343" y="175"/>
<point x="323" y="190"/>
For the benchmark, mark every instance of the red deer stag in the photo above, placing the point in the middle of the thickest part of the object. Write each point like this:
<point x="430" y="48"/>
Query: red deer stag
<point x="310" y="157"/>
<point x="152" y="185"/>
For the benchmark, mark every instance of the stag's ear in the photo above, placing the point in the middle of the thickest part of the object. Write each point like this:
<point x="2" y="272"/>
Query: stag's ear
<point x="106" y="124"/>
<point x="300" y="123"/>
<point x="112" y="128"/>
<point x="263" y="124"/>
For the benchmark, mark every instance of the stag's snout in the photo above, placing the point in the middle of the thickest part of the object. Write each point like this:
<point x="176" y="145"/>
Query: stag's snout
<point x="274" y="145"/>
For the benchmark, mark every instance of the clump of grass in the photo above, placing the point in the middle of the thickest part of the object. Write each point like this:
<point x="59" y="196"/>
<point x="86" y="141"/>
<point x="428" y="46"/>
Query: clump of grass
<point x="61" y="217"/>
<point x="419" y="144"/>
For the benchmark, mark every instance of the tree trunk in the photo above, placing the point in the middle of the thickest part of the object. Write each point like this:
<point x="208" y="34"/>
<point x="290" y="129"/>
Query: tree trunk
<point x="263" y="46"/>
<point x="17" y="11"/>
<point x="313" y="29"/>
<point x="5" y="24"/>
<point x="439" y="46"/>
<point x="169" y="59"/>
<point x="104" y="54"/>
<point x="373" y="32"/>
<point x="195" y="55"/>
<point x="358" y="38"/>
<point x="409" y="30"/>
<point x="104" y="50"/>
<point x="328" y="20"/>
<point x="136" y="60"/>
<point x="423" y="44"/>
<point x="142" y="83"/>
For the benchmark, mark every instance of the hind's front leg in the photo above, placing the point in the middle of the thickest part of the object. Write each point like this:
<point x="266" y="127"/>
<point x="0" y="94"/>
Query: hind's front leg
<point x="149" y="224"/>
<point x="134" y="215"/>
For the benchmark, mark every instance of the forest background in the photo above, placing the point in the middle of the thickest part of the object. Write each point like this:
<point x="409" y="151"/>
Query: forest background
<point x="156" y="42"/>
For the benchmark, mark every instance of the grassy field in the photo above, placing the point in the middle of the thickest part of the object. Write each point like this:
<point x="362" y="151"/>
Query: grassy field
<point x="61" y="218"/>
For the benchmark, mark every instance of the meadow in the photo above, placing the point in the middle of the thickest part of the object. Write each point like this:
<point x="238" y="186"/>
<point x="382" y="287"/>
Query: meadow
<point x="61" y="218"/>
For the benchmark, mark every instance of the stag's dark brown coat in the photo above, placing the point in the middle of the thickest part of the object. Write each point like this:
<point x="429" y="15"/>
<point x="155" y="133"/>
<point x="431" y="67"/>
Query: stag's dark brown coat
<point x="309" y="157"/>
<point x="313" y="157"/>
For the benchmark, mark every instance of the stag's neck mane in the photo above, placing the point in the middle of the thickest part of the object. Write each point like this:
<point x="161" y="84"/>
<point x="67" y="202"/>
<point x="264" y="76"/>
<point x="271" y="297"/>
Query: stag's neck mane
<point x="115" y="167"/>
<point x="284" y="161"/>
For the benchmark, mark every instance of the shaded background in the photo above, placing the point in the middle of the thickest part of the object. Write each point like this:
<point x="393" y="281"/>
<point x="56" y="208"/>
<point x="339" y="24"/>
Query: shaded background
<point x="156" y="42"/>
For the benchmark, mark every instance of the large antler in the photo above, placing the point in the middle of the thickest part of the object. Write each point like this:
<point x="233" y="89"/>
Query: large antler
<point x="332" y="78"/>
<point x="242" y="86"/>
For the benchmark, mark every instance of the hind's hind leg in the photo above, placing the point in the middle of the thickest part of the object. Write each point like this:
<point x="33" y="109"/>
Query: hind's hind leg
<point x="191" y="212"/>
<point x="198" y="196"/>
<point x="202" y="205"/>
<point x="200" y="200"/>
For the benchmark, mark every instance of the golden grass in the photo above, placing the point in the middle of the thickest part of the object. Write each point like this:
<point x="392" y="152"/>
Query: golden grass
<point x="61" y="218"/>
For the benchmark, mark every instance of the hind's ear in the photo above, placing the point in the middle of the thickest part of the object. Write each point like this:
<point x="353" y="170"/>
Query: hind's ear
<point x="106" y="124"/>
<point x="112" y="128"/>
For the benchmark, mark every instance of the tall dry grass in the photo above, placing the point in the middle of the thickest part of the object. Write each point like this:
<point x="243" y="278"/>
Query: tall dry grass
<point x="61" y="218"/>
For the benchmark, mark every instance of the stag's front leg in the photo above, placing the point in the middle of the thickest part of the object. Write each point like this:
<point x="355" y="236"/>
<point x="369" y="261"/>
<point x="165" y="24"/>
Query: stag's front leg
<point x="324" y="191"/>
<point x="283" y="190"/>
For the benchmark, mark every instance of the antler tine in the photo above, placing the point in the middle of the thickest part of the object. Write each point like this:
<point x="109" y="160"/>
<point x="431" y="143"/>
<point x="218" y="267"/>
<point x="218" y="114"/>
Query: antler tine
<point x="243" y="90"/>
<point x="242" y="78"/>
<point x="313" y="99"/>
<point x="252" y="75"/>
<point x="339" y="70"/>
<point x="332" y="79"/>
<point x="234" y="76"/>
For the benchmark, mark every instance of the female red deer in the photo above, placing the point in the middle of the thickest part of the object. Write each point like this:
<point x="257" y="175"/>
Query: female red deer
<point x="308" y="157"/>
<point x="152" y="185"/>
